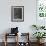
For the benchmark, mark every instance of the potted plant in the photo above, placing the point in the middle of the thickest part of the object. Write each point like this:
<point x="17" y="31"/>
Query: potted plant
<point x="35" y="26"/>
<point x="39" y="35"/>
<point x="38" y="27"/>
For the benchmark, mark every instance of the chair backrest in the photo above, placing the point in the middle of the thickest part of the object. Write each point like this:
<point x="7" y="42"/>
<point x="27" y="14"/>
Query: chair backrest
<point x="24" y="37"/>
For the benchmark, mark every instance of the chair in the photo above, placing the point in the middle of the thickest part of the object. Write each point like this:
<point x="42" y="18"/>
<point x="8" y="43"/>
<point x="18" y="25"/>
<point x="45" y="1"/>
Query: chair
<point x="14" y="32"/>
<point x="7" y="35"/>
<point x="26" y="41"/>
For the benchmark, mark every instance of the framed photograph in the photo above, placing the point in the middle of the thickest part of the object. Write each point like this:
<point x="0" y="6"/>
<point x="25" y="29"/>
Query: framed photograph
<point x="17" y="13"/>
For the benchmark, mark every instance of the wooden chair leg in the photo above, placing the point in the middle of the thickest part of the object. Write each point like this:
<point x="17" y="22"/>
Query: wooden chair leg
<point x="5" y="43"/>
<point x="17" y="39"/>
<point x="5" y="39"/>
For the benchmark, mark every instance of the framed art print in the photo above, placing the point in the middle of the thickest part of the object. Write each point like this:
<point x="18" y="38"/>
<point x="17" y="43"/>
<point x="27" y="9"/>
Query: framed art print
<point x="17" y="13"/>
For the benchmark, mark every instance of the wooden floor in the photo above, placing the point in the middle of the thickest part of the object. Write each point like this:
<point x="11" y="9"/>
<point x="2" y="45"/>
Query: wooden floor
<point x="13" y="44"/>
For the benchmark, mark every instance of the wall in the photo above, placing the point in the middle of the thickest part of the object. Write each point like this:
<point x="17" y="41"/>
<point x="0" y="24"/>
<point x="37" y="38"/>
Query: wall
<point x="29" y="15"/>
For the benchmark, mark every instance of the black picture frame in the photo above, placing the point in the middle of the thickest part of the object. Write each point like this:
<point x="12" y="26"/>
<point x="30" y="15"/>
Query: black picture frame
<point x="17" y="13"/>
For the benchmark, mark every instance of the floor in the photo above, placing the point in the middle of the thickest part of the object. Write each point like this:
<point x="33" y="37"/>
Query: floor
<point x="13" y="44"/>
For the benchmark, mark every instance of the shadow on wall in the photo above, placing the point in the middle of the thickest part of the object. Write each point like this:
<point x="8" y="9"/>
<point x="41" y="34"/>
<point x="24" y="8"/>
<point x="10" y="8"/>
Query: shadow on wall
<point x="32" y="30"/>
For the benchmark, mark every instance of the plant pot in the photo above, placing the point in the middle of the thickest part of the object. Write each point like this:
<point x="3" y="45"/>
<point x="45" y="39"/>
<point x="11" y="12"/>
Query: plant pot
<point x="40" y="40"/>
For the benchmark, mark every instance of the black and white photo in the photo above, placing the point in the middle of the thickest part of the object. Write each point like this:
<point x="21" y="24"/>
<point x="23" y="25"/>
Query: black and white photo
<point x="17" y="13"/>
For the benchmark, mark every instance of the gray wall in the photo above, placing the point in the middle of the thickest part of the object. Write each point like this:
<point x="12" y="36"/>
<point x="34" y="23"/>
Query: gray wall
<point x="29" y="15"/>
